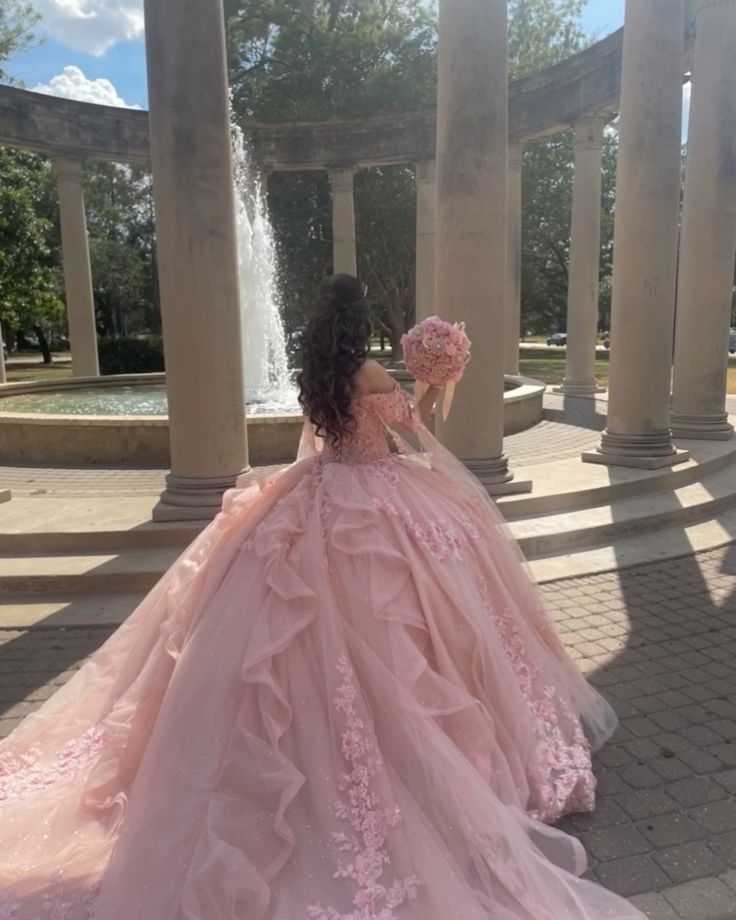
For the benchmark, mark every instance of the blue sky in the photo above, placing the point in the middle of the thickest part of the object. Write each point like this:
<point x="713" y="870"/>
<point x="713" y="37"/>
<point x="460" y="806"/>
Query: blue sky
<point x="93" y="49"/>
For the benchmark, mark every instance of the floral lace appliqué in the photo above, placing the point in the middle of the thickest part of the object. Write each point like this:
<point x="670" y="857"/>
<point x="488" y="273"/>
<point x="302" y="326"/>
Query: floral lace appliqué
<point x="370" y="824"/>
<point x="565" y="783"/>
<point x="439" y="538"/>
<point x="22" y="775"/>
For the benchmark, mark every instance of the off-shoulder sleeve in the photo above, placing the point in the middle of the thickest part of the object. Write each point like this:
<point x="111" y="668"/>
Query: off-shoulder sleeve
<point x="397" y="406"/>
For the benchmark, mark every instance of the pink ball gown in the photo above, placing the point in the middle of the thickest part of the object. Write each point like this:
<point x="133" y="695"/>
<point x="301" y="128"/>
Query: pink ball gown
<point x="343" y="702"/>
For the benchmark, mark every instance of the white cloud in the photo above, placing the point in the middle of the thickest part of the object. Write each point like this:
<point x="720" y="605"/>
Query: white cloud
<point x="92" y="25"/>
<point x="71" y="83"/>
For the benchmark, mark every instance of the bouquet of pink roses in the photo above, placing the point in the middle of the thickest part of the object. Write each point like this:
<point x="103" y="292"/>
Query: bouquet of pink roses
<point x="436" y="353"/>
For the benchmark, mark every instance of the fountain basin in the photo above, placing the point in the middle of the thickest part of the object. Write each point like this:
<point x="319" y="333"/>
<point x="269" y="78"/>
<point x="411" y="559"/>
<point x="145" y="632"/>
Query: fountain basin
<point x="73" y="438"/>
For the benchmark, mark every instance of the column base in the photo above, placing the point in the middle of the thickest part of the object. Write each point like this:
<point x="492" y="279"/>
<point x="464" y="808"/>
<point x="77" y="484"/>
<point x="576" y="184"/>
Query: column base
<point x="192" y="498"/>
<point x="705" y="426"/>
<point x="584" y="387"/>
<point x="641" y="451"/>
<point x="496" y="477"/>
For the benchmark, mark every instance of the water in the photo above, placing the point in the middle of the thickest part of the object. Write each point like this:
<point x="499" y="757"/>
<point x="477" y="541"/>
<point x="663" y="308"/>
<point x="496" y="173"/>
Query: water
<point x="147" y="399"/>
<point x="268" y="380"/>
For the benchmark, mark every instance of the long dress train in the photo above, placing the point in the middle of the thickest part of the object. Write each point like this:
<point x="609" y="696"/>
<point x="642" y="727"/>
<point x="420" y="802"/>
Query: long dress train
<point x="343" y="702"/>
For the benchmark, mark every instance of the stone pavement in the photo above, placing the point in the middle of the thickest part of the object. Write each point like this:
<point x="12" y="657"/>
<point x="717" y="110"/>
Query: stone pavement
<point x="660" y="641"/>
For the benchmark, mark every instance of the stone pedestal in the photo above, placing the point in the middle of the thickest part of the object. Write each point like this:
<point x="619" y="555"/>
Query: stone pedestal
<point x="80" y="306"/>
<point x="426" y="218"/>
<point x="645" y="243"/>
<point x="708" y="241"/>
<point x="512" y="319"/>
<point x="472" y="131"/>
<point x="344" y="256"/>
<point x="585" y="250"/>
<point x="195" y="221"/>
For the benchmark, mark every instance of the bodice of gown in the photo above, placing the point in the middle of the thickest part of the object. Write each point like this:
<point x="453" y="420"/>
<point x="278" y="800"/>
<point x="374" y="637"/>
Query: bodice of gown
<point x="373" y="413"/>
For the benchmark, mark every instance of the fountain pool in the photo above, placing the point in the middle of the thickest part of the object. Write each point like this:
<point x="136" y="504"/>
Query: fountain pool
<point x="122" y="420"/>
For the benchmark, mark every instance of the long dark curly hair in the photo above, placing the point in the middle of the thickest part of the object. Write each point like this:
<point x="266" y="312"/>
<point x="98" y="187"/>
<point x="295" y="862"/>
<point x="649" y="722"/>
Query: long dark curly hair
<point x="335" y="345"/>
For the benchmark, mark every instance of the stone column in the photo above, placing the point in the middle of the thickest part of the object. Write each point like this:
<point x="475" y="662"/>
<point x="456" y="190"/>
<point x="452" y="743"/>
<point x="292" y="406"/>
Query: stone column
<point x="585" y="257"/>
<point x="426" y="178"/>
<point x="344" y="258"/>
<point x="80" y="305"/>
<point x="708" y="242"/>
<point x="512" y="319"/>
<point x="645" y="243"/>
<point x="195" y="220"/>
<point x="472" y="132"/>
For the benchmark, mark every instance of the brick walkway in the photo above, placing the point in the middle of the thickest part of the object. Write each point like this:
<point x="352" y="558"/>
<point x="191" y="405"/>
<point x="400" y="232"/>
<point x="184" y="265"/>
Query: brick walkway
<point x="660" y="641"/>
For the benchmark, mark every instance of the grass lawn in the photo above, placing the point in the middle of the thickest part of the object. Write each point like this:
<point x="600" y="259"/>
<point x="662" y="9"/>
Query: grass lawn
<point x="550" y="368"/>
<point x="38" y="372"/>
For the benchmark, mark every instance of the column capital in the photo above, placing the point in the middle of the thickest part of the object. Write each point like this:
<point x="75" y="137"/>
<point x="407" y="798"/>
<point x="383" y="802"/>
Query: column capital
<point x="67" y="167"/>
<point x="589" y="132"/>
<point x="341" y="177"/>
<point x="425" y="170"/>
<point x="516" y="156"/>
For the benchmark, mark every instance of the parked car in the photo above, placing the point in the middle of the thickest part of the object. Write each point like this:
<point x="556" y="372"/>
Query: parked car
<point x="557" y="338"/>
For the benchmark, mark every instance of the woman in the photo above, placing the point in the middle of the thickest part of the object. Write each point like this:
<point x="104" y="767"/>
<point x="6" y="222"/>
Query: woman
<point x="343" y="702"/>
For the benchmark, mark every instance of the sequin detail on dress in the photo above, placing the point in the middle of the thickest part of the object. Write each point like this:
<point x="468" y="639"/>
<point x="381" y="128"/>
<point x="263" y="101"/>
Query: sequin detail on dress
<point x="57" y="903"/>
<point x="370" y="824"/>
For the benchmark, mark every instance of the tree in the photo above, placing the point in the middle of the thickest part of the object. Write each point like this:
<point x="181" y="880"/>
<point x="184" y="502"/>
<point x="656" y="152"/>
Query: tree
<point x="293" y="60"/>
<point x="542" y="33"/>
<point x="120" y="219"/>
<point x="29" y="280"/>
<point x="17" y="21"/>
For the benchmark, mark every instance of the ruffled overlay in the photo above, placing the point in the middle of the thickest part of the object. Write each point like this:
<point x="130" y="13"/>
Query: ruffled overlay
<point x="345" y="701"/>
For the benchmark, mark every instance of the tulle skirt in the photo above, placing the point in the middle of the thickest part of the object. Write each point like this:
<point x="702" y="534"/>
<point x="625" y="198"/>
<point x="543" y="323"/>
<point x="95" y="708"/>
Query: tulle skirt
<point x="345" y="701"/>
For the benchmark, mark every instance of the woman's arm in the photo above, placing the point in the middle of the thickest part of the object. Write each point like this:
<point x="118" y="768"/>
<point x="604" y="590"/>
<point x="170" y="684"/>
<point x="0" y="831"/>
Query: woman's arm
<point x="426" y="403"/>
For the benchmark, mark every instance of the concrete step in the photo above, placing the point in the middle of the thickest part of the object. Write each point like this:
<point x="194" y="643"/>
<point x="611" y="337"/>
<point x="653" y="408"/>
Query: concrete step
<point x="68" y="575"/>
<point x="550" y="534"/>
<point x="637" y="549"/>
<point x="93" y="524"/>
<point x="570" y="485"/>
<point x="33" y="612"/>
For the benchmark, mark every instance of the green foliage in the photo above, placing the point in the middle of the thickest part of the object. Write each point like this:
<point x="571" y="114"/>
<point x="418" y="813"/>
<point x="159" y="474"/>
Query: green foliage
<point x="130" y="356"/>
<point x="120" y="219"/>
<point x="29" y="280"/>
<point x="542" y="33"/>
<point x="310" y="59"/>
<point x="17" y="21"/>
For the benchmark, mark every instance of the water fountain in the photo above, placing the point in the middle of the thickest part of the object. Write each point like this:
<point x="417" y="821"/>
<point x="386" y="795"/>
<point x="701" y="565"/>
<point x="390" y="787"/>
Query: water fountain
<point x="269" y="383"/>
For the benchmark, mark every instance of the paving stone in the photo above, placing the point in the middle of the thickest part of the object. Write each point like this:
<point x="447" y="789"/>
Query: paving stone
<point x="702" y="761"/>
<point x="689" y="861"/>
<point x="645" y="803"/>
<point x="630" y="876"/>
<point x="727" y="779"/>
<point x="640" y="776"/>
<point x="655" y="907"/>
<point x="698" y="790"/>
<point x="724" y="845"/>
<point x="716" y="817"/>
<point x="613" y="842"/>
<point x="670" y="830"/>
<point x="704" y="899"/>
